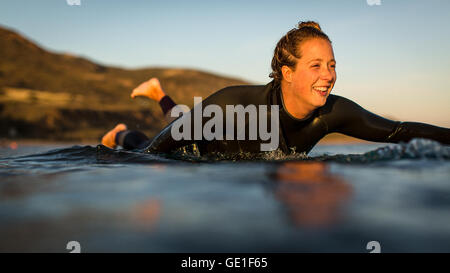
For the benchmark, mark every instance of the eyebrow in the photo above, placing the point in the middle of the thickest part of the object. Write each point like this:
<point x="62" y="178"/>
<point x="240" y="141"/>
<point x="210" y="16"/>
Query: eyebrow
<point x="318" y="59"/>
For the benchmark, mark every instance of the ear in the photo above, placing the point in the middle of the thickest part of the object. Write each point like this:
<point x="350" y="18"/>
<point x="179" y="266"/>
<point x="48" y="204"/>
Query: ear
<point x="287" y="73"/>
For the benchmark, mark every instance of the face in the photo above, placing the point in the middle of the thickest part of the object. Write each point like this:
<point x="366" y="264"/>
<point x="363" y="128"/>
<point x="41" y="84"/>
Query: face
<point x="314" y="76"/>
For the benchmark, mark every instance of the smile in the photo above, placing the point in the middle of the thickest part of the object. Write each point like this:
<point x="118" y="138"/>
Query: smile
<point x="323" y="90"/>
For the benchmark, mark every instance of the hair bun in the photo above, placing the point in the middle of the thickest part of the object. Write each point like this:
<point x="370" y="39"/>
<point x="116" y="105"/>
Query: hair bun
<point x="309" y="24"/>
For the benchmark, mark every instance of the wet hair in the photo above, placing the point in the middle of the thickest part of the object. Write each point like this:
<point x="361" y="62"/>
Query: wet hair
<point x="287" y="50"/>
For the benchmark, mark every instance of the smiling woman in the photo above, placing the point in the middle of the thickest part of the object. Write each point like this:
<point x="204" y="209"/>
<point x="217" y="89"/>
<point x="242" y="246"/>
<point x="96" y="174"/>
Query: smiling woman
<point x="304" y="65"/>
<point x="303" y="76"/>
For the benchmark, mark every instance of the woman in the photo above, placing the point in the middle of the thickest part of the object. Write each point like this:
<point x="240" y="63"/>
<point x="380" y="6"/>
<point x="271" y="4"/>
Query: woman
<point x="303" y="72"/>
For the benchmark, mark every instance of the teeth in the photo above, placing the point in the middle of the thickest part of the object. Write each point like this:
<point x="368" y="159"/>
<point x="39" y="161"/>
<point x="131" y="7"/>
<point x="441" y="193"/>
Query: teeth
<point x="322" y="89"/>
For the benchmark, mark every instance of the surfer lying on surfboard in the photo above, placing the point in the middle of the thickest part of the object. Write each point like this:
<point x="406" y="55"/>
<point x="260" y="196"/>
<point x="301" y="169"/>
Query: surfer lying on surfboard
<point x="304" y="73"/>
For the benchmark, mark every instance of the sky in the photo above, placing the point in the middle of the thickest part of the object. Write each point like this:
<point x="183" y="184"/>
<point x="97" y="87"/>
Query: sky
<point x="393" y="58"/>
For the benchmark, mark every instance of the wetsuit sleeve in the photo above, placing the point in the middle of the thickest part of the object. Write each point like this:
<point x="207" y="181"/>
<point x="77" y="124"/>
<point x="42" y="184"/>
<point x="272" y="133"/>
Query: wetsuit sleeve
<point x="349" y="118"/>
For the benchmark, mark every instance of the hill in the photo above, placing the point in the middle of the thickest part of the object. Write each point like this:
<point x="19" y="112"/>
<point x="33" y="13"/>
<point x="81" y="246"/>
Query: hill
<point x="55" y="96"/>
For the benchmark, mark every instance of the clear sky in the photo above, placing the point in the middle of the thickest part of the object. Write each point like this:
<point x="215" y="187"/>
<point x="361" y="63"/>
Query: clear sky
<point x="392" y="58"/>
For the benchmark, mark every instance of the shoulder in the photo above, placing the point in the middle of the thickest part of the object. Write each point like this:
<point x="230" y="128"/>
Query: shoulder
<point x="240" y="94"/>
<point x="339" y="108"/>
<point x="336" y="102"/>
<point x="242" y="89"/>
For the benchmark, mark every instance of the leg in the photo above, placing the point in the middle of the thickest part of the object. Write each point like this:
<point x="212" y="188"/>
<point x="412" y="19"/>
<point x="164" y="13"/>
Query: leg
<point x="152" y="90"/>
<point x="134" y="139"/>
<point x="109" y="139"/>
<point x="167" y="104"/>
<point x="131" y="140"/>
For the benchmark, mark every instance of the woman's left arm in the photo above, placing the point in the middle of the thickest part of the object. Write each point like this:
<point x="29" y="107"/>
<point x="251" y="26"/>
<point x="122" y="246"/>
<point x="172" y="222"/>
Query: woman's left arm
<point x="349" y="118"/>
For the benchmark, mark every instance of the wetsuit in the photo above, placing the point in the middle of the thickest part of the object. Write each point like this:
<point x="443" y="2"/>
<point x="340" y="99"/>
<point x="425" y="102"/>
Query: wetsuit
<point x="338" y="115"/>
<point x="130" y="139"/>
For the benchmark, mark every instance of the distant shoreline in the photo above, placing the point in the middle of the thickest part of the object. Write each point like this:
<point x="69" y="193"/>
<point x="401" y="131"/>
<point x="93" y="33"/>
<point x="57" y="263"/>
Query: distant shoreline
<point x="339" y="139"/>
<point x="332" y="139"/>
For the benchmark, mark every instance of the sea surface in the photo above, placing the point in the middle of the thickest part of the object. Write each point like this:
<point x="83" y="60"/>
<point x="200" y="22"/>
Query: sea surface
<point x="338" y="198"/>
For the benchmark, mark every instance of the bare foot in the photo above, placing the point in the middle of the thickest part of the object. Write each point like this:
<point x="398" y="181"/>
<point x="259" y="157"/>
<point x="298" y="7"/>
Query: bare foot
<point x="109" y="139"/>
<point x="150" y="89"/>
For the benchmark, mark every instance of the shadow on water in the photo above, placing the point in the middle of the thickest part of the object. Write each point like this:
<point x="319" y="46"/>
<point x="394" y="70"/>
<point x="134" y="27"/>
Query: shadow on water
<point x="312" y="195"/>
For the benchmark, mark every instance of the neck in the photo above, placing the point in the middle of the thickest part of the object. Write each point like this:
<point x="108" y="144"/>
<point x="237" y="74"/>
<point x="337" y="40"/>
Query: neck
<point x="293" y="104"/>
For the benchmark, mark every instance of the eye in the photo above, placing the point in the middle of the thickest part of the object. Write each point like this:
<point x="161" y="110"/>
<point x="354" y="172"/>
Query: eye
<point x="315" y="65"/>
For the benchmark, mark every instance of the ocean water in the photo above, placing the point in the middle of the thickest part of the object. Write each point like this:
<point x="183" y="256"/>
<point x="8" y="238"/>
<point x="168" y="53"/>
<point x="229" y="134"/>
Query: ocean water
<point x="336" y="199"/>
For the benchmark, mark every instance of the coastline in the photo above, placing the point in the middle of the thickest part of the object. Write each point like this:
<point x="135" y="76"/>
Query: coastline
<point x="331" y="139"/>
<point x="340" y="139"/>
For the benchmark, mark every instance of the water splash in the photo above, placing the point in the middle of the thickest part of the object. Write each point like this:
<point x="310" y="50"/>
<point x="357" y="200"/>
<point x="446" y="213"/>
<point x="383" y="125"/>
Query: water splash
<point x="82" y="154"/>
<point x="415" y="149"/>
<point x="191" y="153"/>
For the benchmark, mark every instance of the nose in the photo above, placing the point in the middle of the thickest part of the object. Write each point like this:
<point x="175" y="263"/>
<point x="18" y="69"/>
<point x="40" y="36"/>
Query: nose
<point x="327" y="74"/>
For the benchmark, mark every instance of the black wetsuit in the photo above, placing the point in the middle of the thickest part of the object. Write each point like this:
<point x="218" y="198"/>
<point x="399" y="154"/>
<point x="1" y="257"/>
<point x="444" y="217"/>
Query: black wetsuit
<point x="339" y="115"/>
<point x="130" y="139"/>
